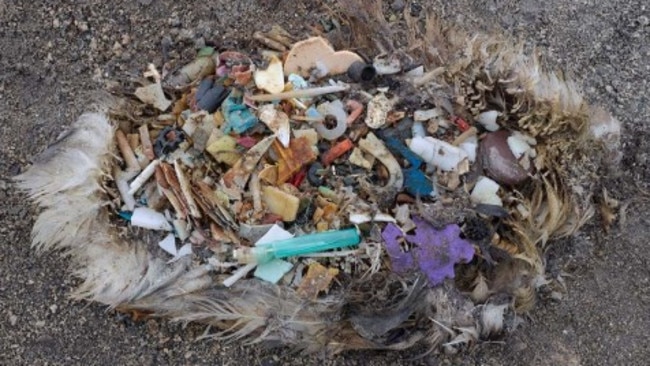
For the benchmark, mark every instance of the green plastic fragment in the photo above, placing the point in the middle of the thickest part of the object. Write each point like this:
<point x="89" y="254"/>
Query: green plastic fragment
<point x="272" y="271"/>
<point x="205" y="51"/>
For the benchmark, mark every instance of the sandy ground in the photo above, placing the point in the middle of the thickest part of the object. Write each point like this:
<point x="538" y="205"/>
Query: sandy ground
<point x="52" y="52"/>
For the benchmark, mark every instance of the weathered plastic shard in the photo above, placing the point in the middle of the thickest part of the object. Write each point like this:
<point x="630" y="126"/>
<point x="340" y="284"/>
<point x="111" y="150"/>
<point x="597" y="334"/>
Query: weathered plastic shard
<point x="202" y="66"/>
<point x="238" y="175"/>
<point x="277" y="121"/>
<point x="292" y="159"/>
<point x="280" y="203"/>
<point x="168" y="244"/>
<point x="271" y="79"/>
<point x="438" y="153"/>
<point x="273" y="271"/>
<point x="153" y="94"/>
<point x="387" y="64"/>
<point x="427" y="114"/>
<point x="315" y="55"/>
<point x="415" y="182"/>
<point x="378" y="109"/>
<point x="357" y="158"/>
<point x="210" y="95"/>
<point x="237" y="116"/>
<point x="224" y="150"/>
<point x="317" y="279"/>
<point x="149" y="219"/>
<point x="362" y="218"/>
<point x="373" y="146"/>
<point x="488" y="120"/>
<point x="485" y="192"/>
<point x="434" y="251"/>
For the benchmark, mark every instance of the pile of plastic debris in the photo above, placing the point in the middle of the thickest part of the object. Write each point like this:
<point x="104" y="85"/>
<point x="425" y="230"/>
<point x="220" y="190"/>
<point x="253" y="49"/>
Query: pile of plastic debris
<point x="320" y="199"/>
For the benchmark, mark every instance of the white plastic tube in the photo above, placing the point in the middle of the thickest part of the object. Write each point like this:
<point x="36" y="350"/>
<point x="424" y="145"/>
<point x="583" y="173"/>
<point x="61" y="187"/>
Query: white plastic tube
<point x="438" y="153"/>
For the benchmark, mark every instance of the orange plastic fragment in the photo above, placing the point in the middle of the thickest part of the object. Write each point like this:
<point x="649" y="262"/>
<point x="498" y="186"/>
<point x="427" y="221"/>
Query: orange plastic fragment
<point x="317" y="279"/>
<point x="337" y="151"/>
<point x="292" y="159"/>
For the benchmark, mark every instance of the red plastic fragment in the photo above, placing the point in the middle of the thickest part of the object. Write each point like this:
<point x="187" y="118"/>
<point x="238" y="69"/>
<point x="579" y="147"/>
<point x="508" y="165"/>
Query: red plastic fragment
<point x="246" y="142"/>
<point x="298" y="178"/>
<point x="337" y="151"/>
<point x="460" y="123"/>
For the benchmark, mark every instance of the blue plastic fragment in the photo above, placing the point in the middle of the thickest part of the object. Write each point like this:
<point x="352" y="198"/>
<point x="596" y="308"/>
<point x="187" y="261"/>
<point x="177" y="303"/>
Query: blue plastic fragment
<point x="415" y="182"/>
<point x="272" y="271"/>
<point x="126" y="215"/>
<point x="238" y="116"/>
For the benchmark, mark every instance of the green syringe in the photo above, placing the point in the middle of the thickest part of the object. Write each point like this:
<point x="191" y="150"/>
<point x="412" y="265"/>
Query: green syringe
<point x="305" y="244"/>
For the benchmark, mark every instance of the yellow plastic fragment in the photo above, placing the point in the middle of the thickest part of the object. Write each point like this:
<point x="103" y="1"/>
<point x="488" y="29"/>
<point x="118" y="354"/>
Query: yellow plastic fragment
<point x="280" y="203"/>
<point x="224" y="150"/>
<point x="317" y="279"/>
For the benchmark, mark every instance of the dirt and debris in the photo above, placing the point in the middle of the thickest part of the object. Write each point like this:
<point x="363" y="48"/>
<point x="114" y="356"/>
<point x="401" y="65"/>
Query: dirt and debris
<point x="562" y="348"/>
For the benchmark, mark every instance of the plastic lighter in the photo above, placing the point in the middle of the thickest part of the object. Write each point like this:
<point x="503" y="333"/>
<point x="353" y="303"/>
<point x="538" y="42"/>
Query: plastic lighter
<point x="306" y="244"/>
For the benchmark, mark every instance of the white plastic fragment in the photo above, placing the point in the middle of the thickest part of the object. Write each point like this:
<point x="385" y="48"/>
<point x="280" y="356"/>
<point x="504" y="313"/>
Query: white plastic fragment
<point x="387" y="64"/>
<point x="149" y="219"/>
<point x="375" y="147"/>
<point x="427" y="114"/>
<point x="239" y="274"/>
<point x="362" y="218"/>
<point x="517" y="145"/>
<point x="122" y="182"/>
<point x="489" y="120"/>
<point x="378" y="109"/>
<point x="336" y="110"/>
<point x="271" y="79"/>
<point x="153" y="94"/>
<point x="143" y="177"/>
<point x="470" y="146"/>
<point x="485" y="192"/>
<point x="300" y="93"/>
<point x="277" y="121"/>
<point x="438" y="153"/>
<point x="317" y="53"/>
<point x="182" y="229"/>
<point x="417" y="130"/>
<point x="168" y="244"/>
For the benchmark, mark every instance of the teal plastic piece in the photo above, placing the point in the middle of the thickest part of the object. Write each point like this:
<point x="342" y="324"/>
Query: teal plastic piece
<point x="306" y="244"/>
<point x="272" y="271"/>
<point x="237" y="115"/>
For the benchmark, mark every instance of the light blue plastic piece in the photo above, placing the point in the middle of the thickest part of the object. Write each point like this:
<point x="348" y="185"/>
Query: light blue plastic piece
<point x="273" y="271"/>
<point x="237" y="115"/>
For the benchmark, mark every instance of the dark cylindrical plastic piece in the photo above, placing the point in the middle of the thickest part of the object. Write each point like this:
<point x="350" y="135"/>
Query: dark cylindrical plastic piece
<point x="361" y="72"/>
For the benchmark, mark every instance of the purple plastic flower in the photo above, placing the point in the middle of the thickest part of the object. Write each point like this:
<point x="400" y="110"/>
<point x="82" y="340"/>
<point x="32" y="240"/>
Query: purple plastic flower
<point x="434" y="251"/>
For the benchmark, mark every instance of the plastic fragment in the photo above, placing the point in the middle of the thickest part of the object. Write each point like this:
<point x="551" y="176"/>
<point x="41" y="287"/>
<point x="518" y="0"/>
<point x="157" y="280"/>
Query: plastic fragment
<point x="168" y="140"/>
<point x="122" y="182"/>
<point x="236" y="65"/>
<point x="224" y="150"/>
<point x="168" y="244"/>
<point x="292" y="159"/>
<point x="277" y="121"/>
<point x="281" y="203"/>
<point x="334" y="109"/>
<point x="355" y="108"/>
<point x="387" y="64"/>
<point x="300" y="93"/>
<point x="310" y="134"/>
<point x="360" y="71"/>
<point x="336" y="151"/>
<point x="357" y="158"/>
<point x="272" y="78"/>
<point x="427" y="114"/>
<point x="237" y="116"/>
<point x="316" y="53"/>
<point x="433" y="251"/>
<point x="377" y="113"/>
<point x="186" y="190"/>
<point x="240" y="273"/>
<point x="415" y="182"/>
<point x="153" y="94"/>
<point x="149" y="219"/>
<point x="520" y="145"/>
<point x="143" y="177"/>
<point x="238" y="175"/>
<point x="210" y="95"/>
<point x="438" y="153"/>
<point x="297" y="246"/>
<point x="145" y="140"/>
<point x="372" y="145"/>
<point x="202" y="66"/>
<point x="126" y="151"/>
<point x="361" y="218"/>
<point x="485" y="192"/>
<point x="488" y="120"/>
<point x="317" y="279"/>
